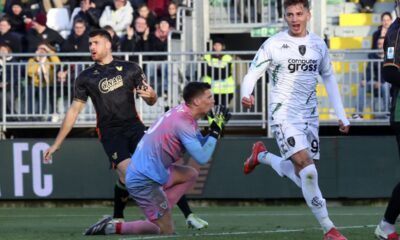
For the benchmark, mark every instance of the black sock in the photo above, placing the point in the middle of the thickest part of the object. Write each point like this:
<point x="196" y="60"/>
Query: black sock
<point x="120" y="199"/>
<point x="393" y="208"/>
<point x="184" y="206"/>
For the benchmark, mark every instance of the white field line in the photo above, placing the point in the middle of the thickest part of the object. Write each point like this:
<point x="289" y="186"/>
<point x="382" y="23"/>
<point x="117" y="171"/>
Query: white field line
<point x="241" y="233"/>
<point x="201" y="214"/>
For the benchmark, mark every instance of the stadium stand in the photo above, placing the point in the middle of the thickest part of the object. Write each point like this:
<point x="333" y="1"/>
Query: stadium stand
<point x="197" y="21"/>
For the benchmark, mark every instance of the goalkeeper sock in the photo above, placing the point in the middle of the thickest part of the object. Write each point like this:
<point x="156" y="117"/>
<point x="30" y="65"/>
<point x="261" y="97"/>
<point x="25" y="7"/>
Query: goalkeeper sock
<point x="184" y="206"/>
<point x="313" y="196"/>
<point x="136" y="227"/>
<point x="393" y="208"/>
<point x="120" y="199"/>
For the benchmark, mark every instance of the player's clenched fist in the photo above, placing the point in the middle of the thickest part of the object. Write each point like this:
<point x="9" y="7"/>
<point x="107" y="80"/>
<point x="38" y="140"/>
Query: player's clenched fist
<point x="248" y="102"/>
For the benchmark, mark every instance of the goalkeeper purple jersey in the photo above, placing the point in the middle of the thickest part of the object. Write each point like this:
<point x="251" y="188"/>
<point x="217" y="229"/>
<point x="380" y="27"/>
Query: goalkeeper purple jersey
<point x="163" y="143"/>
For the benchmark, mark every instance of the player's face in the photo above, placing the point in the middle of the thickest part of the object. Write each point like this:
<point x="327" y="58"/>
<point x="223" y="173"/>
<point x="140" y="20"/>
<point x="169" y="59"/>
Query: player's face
<point x="297" y="17"/>
<point x="99" y="48"/>
<point x="206" y="101"/>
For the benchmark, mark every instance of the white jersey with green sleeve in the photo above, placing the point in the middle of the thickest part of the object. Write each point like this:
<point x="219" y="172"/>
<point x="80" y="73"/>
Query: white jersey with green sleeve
<point x="293" y="65"/>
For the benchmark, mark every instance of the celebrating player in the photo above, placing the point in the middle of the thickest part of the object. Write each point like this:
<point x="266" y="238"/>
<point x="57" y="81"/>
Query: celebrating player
<point x="294" y="58"/>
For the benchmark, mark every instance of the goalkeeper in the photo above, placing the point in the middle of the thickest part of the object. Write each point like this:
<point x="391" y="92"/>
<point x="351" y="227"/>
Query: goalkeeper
<point x="153" y="178"/>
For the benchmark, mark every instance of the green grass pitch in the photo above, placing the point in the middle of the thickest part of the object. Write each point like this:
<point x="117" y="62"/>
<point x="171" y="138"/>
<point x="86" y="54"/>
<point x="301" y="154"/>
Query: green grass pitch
<point x="239" y="222"/>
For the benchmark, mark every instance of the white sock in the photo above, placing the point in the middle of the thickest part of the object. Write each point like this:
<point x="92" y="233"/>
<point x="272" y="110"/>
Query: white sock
<point x="281" y="166"/>
<point x="387" y="227"/>
<point x="288" y="170"/>
<point x="271" y="160"/>
<point x="313" y="196"/>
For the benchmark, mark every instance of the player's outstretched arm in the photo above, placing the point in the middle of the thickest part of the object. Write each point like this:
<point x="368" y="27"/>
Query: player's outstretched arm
<point x="146" y="92"/>
<point x="68" y="123"/>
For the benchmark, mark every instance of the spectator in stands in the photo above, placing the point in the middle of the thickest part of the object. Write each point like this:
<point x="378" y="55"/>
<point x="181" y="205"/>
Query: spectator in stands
<point x="367" y="6"/>
<point x="8" y="37"/>
<point x="386" y="20"/>
<point x="159" y="71"/>
<point x="374" y="83"/>
<point x="40" y="32"/>
<point x="11" y="72"/>
<point x="119" y="16"/>
<point x="78" y="40"/>
<point x="144" y="11"/>
<point x="218" y="73"/>
<point x="41" y="73"/>
<point x="116" y="44"/>
<point x="17" y="16"/>
<point x="31" y="6"/>
<point x="172" y="11"/>
<point x="88" y="12"/>
<point x="138" y="38"/>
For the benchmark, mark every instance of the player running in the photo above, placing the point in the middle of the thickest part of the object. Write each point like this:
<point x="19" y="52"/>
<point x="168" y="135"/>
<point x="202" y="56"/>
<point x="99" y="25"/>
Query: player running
<point x="294" y="58"/>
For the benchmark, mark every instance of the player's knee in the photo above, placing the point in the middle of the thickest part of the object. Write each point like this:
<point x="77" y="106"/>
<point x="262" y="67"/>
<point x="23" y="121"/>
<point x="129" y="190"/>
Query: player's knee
<point x="309" y="173"/>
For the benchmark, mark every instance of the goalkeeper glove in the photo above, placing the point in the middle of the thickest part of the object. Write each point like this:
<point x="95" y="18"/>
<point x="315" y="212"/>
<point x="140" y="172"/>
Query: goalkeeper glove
<point x="217" y="120"/>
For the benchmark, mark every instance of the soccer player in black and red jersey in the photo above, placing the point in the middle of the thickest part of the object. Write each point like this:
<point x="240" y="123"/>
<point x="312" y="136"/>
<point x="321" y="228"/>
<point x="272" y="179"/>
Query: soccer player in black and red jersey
<point x="111" y="84"/>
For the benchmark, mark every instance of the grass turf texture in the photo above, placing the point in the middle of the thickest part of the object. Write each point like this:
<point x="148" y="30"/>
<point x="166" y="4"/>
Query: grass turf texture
<point x="249" y="222"/>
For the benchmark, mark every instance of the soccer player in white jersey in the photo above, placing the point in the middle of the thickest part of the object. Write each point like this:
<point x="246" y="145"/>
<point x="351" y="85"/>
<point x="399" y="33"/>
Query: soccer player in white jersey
<point x="294" y="58"/>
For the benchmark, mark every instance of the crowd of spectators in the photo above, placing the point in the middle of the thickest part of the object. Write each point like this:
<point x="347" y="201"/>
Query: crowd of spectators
<point x="23" y="24"/>
<point x="135" y="26"/>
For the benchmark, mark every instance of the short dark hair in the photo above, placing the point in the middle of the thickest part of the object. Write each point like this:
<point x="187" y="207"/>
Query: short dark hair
<point x="193" y="90"/>
<point x="5" y="45"/>
<point x="386" y="14"/>
<point x="102" y="33"/>
<point x="80" y="20"/>
<point x="288" y="3"/>
<point x="5" y="19"/>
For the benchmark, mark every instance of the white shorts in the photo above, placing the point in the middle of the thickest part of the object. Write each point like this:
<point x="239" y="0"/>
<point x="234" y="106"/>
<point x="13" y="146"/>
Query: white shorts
<point x="293" y="137"/>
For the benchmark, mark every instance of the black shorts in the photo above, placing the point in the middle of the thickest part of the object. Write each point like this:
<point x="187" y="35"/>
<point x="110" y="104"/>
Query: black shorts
<point x="120" y="143"/>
